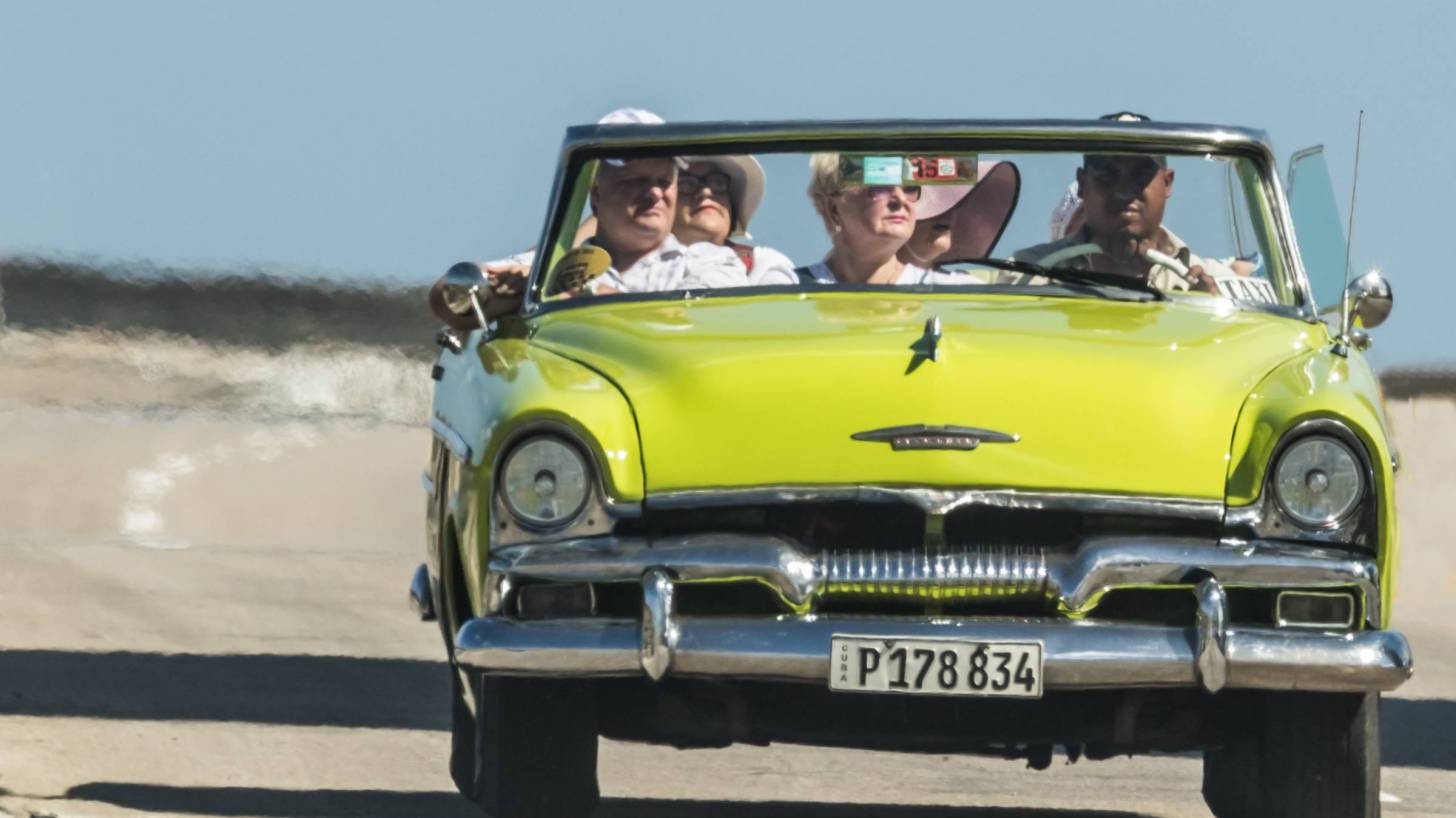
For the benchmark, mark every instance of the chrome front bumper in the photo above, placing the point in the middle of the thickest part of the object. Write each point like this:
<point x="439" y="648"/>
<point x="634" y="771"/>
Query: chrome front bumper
<point x="1077" y="654"/>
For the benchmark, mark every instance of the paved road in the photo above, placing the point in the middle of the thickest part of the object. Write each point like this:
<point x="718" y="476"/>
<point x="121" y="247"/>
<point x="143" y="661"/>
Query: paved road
<point x="202" y="572"/>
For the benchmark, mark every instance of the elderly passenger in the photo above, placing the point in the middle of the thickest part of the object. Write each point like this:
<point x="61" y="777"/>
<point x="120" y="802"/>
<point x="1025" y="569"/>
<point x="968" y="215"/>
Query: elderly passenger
<point x="717" y="197"/>
<point x="867" y="225"/>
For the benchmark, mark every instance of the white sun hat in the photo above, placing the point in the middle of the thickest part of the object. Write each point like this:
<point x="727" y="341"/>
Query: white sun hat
<point x="746" y="183"/>
<point x="634" y="116"/>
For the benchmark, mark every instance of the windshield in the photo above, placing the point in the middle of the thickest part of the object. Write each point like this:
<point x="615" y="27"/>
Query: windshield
<point x="1131" y="225"/>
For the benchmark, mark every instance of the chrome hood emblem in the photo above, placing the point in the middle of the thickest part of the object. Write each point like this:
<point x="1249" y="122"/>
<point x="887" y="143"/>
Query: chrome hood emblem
<point x="921" y="436"/>
<point x="927" y="346"/>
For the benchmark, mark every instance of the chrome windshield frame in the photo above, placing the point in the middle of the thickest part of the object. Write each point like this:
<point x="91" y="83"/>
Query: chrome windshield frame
<point x="1031" y="135"/>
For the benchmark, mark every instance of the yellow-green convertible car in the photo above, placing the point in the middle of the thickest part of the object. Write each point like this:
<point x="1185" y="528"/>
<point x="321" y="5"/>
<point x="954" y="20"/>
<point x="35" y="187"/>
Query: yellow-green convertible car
<point x="1009" y="438"/>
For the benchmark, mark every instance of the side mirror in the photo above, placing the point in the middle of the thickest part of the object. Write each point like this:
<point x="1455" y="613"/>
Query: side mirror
<point x="459" y="297"/>
<point x="1368" y="301"/>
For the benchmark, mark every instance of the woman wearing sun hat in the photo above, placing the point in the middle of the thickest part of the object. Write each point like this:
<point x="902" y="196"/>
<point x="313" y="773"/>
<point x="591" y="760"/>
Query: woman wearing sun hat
<point x="716" y="199"/>
<point x="957" y="222"/>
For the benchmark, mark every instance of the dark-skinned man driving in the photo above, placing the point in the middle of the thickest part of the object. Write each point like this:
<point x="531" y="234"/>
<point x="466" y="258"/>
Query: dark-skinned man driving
<point x="1123" y="200"/>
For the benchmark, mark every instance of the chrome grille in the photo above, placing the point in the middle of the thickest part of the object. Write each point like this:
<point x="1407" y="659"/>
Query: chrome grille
<point x="1006" y="572"/>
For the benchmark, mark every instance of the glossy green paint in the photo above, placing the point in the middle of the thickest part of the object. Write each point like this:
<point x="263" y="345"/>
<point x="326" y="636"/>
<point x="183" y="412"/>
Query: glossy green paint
<point x="1319" y="384"/>
<point x="526" y="386"/>
<point x="1107" y="396"/>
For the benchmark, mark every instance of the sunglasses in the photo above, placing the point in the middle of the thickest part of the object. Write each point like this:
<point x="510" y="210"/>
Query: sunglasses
<point x="717" y="181"/>
<point x="1110" y="173"/>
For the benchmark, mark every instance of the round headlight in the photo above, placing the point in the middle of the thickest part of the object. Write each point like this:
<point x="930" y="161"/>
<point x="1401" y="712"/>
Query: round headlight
<point x="1318" y="481"/>
<point x="544" y="482"/>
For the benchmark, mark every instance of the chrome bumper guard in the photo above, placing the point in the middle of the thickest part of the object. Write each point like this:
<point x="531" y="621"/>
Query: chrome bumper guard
<point x="1077" y="655"/>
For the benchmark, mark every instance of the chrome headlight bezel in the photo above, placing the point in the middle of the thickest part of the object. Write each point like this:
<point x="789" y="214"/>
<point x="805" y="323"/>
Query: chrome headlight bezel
<point x="547" y="471"/>
<point x="1267" y="518"/>
<point x="1322" y="456"/>
<point x="597" y="516"/>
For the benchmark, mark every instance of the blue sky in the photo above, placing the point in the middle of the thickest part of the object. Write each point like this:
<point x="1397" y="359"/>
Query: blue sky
<point x="388" y="140"/>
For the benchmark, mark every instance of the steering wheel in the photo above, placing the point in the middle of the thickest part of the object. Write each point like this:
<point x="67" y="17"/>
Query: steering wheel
<point x="1149" y="255"/>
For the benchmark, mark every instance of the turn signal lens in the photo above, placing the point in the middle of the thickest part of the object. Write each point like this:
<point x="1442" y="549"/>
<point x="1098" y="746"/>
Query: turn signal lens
<point x="544" y="482"/>
<point x="1318" y="481"/>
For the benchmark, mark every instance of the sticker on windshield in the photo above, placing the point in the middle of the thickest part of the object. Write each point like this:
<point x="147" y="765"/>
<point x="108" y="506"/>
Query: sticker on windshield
<point x="883" y="170"/>
<point x="914" y="169"/>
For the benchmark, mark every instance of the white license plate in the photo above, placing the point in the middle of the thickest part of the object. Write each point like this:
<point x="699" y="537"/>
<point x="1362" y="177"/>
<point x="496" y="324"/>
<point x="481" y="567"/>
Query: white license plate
<point x="939" y="667"/>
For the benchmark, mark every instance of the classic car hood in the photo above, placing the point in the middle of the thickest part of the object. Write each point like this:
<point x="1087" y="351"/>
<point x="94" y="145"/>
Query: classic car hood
<point x="1105" y="396"/>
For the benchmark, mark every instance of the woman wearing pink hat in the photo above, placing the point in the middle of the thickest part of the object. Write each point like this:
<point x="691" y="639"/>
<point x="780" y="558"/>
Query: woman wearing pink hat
<point x="960" y="222"/>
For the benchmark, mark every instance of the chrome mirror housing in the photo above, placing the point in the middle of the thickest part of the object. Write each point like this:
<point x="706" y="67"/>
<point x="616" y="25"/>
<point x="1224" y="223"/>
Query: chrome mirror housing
<point x="1367" y="298"/>
<point x="459" y="297"/>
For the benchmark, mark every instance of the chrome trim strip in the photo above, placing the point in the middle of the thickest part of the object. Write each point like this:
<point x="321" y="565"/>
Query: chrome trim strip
<point x="421" y="598"/>
<point x="1187" y="138"/>
<point x="1075" y="582"/>
<point x="704" y="558"/>
<point x="1212" y="626"/>
<point x="943" y="501"/>
<point x="922" y="436"/>
<point x="659" y="632"/>
<point x="1103" y="565"/>
<point x="451" y="438"/>
<point x="1077" y="656"/>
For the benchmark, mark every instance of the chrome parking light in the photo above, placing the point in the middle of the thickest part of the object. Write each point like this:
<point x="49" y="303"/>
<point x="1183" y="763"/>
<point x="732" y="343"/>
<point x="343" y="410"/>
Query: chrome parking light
<point x="1314" y="609"/>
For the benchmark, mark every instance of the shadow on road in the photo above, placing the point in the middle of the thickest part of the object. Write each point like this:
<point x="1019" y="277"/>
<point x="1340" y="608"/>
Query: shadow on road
<point x="336" y="691"/>
<point x="267" y="803"/>
<point x="342" y="691"/>
<point x="1417" y="733"/>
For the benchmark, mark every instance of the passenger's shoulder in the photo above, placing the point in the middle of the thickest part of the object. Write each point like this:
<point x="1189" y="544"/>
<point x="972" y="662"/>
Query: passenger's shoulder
<point x="768" y="256"/>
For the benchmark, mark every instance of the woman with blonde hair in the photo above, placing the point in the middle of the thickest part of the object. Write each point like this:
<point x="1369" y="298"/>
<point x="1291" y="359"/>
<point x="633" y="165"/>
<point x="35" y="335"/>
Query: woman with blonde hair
<point x="867" y="224"/>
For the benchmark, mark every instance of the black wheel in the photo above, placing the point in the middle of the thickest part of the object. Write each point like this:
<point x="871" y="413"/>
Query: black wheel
<point x="536" y="748"/>
<point x="462" y="734"/>
<point x="1310" y="755"/>
<point x="520" y="748"/>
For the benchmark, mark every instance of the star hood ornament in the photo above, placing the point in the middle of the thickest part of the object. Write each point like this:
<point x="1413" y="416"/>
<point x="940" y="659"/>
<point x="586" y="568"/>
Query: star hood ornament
<point x="927" y="346"/>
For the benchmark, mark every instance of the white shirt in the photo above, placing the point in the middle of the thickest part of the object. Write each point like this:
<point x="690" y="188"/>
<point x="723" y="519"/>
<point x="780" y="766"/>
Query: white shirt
<point x="700" y="265"/>
<point x="770" y="267"/>
<point x="910" y="275"/>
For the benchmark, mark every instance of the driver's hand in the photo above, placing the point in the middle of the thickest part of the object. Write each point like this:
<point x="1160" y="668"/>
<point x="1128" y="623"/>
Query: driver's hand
<point x="1201" y="281"/>
<point x="1130" y="252"/>
<point x="507" y="284"/>
<point x="506" y="279"/>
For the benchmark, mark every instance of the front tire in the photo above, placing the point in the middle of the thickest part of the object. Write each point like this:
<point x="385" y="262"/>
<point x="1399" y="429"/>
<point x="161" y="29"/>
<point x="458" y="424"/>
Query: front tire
<point x="1309" y="755"/>
<point x="535" y="753"/>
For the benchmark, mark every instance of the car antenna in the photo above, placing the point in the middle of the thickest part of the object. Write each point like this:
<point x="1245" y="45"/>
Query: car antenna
<point x="1350" y="229"/>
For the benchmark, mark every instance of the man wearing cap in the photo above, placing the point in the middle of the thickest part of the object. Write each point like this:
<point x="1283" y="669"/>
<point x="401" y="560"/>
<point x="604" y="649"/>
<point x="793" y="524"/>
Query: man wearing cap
<point x="1123" y="200"/>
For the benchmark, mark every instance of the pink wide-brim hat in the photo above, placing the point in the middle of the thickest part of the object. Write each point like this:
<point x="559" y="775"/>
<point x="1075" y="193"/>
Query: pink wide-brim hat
<point x="982" y="210"/>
